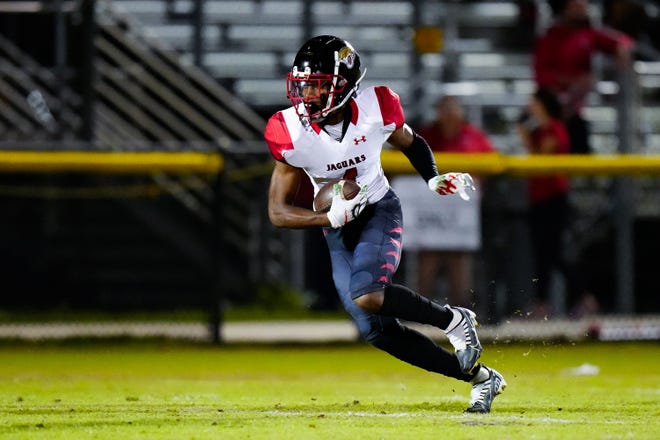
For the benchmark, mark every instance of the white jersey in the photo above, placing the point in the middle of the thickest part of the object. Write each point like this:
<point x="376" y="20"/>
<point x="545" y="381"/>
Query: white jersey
<point x="376" y="113"/>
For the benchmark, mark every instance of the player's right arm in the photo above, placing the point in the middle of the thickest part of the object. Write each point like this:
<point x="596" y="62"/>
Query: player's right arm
<point x="284" y="184"/>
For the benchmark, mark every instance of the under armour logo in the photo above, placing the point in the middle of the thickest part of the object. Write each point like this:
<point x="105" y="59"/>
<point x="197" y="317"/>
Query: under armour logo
<point x="360" y="139"/>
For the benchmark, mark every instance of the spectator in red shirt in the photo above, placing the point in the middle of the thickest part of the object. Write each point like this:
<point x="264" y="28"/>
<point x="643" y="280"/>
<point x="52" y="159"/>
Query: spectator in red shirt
<point x="450" y="132"/>
<point x="544" y="133"/>
<point x="562" y="62"/>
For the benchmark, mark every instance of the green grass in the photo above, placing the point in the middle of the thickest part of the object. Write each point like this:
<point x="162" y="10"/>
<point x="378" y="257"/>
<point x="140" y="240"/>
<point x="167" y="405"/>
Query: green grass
<point x="165" y="390"/>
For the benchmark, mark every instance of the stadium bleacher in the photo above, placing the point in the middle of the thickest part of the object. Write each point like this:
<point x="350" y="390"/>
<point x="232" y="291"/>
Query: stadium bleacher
<point x="248" y="46"/>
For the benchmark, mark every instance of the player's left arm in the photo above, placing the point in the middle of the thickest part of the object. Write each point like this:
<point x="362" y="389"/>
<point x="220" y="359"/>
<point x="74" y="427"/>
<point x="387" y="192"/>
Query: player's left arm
<point x="419" y="154"/>
<point x="416" y="149"/>
<point x="414" y="146"/>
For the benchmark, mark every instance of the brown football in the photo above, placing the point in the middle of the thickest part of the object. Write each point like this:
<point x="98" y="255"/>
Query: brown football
<point x="323" y="199"/>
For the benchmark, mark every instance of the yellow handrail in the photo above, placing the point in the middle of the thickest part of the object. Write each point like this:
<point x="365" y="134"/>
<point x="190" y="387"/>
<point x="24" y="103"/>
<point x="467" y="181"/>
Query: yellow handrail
<point x="524" y="165"/>
<point x="394" y="162"/>
<point x="110" y="162"/>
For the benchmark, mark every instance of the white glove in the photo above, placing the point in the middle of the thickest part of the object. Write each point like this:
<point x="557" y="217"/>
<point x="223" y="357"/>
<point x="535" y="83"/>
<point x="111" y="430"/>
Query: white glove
<point x="452" y="183"/>
<point x="343" y="211"/>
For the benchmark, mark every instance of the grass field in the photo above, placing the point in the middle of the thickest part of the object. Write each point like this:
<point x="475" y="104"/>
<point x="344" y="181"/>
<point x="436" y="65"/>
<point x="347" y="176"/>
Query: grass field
<point x="164" y="390"/>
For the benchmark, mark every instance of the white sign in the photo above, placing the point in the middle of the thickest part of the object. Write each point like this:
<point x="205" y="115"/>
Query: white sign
<point x="435" y="222"/>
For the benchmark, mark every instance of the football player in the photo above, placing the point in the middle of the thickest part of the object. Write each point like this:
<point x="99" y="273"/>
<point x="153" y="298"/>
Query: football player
<point x="334" y="130"/>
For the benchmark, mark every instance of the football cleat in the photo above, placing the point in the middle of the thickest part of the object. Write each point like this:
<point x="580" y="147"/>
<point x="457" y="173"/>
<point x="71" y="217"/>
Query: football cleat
<point x="463" y="336"/>
<point x="483" y="393"/>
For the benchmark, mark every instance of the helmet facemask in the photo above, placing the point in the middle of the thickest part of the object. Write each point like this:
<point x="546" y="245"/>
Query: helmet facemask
<point x="315" y="95"/>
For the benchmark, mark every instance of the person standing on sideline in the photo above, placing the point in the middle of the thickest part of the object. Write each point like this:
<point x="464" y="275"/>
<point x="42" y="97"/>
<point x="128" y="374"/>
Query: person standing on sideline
<point x="563" y="62"/>
<point x="334" y="130"/>
<point x="543" y="132"/>
<point x="450" y="132"/>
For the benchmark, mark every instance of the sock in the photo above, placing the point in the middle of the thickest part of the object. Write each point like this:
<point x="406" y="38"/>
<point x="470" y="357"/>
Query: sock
<point x="416" y="349"/>
<point x="401" y="302"/>
<point x="480" y="375"/>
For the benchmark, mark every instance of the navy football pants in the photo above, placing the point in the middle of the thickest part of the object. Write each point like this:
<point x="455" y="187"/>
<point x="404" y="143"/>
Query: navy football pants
<point x="365" y="254"/>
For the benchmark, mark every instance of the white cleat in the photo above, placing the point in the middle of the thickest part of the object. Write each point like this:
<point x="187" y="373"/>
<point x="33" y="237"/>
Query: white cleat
<point x="463" y="336"/>
<point x="483" y="393"/>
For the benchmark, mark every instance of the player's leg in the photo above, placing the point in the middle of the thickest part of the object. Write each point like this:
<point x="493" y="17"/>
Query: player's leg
<point x="414" y="348"/>
<point x="385" y="332"/>
<point x="376" y="259"/>
<point x="460" y="328"/>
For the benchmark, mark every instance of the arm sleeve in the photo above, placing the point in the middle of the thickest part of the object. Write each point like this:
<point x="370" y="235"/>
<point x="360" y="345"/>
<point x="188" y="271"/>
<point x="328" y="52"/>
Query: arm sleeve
<point x="421" y="157"/>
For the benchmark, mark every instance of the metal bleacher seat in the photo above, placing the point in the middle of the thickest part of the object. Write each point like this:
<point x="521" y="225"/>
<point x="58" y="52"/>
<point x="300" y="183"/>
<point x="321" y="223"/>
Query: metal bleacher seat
<point x="370" y="38"/>
<point x="495" y="66"/>
<point x="362" y="13"/>
<point x="381" y="13"/>
<point x="388" y="65"/>
<point x="262" y="92"/>
<point x="229" y="10"/>
<point x="147" y="11"/>
<point x="284" y="11"/>
<point x="260" y="65"/>
<point x="257" y="38"/>
<point x="488" y="14"/>
<point x="253" y="11"/>
<point x="180" y="36"/>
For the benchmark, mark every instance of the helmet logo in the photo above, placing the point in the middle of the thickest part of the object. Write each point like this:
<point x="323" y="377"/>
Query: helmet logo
<point x="347" y="56"/>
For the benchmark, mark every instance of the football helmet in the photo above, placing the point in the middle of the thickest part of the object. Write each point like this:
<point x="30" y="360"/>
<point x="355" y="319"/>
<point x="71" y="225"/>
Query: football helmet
<point x="325" y="74"/>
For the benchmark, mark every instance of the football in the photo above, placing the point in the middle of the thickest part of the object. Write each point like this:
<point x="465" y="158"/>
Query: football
<point x="323" y="199"/>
